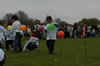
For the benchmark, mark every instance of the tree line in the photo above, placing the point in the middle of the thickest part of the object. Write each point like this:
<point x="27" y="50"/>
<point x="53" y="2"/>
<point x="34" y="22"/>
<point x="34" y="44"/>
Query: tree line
<point x="24" y="19"/>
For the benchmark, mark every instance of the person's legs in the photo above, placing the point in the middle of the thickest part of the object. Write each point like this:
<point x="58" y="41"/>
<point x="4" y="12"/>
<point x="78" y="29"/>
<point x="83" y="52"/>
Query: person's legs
<point x="0" y="45"/>
<point x="87" y="34"/>
<point x="32" y="46"/>
<point x="99" y="32"/>
<point x="65" y="35"/>
<point x="7" y="44"/>
<point x="15" y="44"/>
<point x="1" y="64"/>
<point x="52" y="43"/>
<point x="19" y="44"/>
<point x="47" y="44"/>
<point x="11" y="43"/>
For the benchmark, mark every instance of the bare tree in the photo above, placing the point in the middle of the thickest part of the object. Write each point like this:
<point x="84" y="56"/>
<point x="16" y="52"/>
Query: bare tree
<point x="8" y="17"/>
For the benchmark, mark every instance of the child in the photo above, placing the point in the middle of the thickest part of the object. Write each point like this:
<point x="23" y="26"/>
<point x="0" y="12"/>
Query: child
<point x="51" y="35"/>
<point x="31" y="43"/>
<point x="2" y="57"/>
<point x="9" y="39"/>
<point x="2" y="35"/>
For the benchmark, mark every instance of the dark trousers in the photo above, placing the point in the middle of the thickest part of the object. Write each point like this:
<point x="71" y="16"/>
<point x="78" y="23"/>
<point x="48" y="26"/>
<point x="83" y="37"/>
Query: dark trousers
<point x="31" y="47"/>
<point x="50" y="45"/>
<point x="78" y="34"/>
<point x="9" y="42"/>
<point x="1" y="64"/>
<point x="17" y="42"/>
<point x="0" y="45"/>
<point x="39" y="35"/>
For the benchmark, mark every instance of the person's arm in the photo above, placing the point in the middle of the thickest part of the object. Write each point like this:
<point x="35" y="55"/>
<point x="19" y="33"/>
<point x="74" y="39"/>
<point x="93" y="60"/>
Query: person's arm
<point x="2" y="57"/>
<point x="45" y="28"/>
<point x="13" y="27"/>
<point x="37" y="43"/>
<point x="25" y="46"/>
<point x="33" y="39"/>
<point x="56" y="25"/>
<point x="4" y="33"/>
<point x="36" y="39"/>
<point x="3" y="61"/>
<point x="33" y="28"/>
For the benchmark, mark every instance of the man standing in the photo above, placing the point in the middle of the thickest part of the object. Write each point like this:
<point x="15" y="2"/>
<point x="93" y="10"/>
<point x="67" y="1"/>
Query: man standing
<point x="51" y="35"/>
<point x="15" y="28"/>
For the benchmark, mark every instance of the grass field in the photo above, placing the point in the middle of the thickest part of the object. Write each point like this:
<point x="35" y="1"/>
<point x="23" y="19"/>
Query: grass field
<point x="68" y="52"/>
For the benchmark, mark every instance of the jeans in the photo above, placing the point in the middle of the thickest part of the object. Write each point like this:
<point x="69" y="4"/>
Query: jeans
<point x="17" y="42"/>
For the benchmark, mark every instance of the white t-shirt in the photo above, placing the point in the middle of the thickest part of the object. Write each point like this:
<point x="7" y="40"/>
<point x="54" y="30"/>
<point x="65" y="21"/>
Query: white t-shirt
<point x="35" y="28"/>
<point x="93" y="30"/>
<point x="51" y="35"/>
<point x="98" y="26"/>
<point x="2" y="33"/>
<point x="68" y="28"/>
<point x="28" y="30"/>
<point x="10" y="35"/>
<point x="1" y="55"/>
<point x="89" y="29"/>
<point x="15" y="26"/>
<point x="32" y="39"/>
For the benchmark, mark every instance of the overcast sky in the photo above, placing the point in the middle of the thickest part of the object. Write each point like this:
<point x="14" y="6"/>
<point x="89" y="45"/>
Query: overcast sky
<point x="68" y="10"/>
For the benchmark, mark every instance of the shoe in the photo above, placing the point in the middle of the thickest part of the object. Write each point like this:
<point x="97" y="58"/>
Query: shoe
<point x="50" y="52"/>
<point x="33" y="51"/>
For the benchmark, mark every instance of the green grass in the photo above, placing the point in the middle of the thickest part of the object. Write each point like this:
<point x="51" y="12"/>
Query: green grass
<point x="68" y="52"/>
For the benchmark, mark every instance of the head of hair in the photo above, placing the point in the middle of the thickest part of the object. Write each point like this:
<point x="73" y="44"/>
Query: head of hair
<point x="48" y="18"/>
<point x="14" y="17"/>
<point x="27" y="35"/>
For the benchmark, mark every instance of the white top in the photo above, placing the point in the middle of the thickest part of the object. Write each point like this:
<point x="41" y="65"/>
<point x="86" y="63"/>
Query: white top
<point x="34" y="28"/>
<point x="89" y="28"/>
<point x="32" y="39"/>
<point x="1" y="55"/>
<point x="98" y="26"/>
<point x="29" y="30"/>
<point x="51" y="35"/>
<point x="10" y="35"/>
<point x="15" y="26"/>
<point x="68" y="28"/>
<point x="93" y="30"/>
<point x="2" y="33"/>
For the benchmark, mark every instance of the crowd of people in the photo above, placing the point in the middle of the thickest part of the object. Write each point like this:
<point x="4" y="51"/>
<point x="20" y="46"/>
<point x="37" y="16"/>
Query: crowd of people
<point x="76" y="31"/>
<point x="13" y="36"/>
<point x="71" y="31"/>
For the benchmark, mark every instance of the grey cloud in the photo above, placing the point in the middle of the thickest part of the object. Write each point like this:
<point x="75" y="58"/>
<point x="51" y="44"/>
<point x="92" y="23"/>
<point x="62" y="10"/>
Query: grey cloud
<point x="68" y="10"/>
